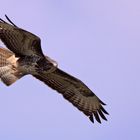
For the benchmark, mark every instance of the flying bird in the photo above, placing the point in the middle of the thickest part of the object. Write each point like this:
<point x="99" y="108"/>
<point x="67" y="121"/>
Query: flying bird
<point x="24" y="56"/>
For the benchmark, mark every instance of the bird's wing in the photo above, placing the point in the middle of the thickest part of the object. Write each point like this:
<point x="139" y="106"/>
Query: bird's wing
<point x="19" y="41"/>
<point x="76" y="92"/>
<point x="8" y="67"/>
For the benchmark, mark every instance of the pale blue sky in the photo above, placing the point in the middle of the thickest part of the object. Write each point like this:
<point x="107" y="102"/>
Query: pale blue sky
<point x="95" y="40"/>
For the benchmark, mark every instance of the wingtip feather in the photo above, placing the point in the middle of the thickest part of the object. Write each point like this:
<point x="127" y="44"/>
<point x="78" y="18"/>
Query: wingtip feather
<point x="91" y="118"/>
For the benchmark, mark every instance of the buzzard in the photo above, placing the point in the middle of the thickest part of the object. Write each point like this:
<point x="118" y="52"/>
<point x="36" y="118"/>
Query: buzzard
<point x="24" y="56"/>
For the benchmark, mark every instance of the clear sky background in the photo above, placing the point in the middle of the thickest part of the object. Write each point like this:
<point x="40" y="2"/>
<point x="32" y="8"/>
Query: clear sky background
<point x="97" y="41"/>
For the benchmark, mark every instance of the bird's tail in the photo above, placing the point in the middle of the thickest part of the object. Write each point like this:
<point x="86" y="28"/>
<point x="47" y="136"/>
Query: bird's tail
<point x="8" y="67"/>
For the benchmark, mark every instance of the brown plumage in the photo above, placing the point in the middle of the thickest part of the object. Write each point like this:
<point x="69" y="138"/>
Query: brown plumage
<point x="26" y="57"/>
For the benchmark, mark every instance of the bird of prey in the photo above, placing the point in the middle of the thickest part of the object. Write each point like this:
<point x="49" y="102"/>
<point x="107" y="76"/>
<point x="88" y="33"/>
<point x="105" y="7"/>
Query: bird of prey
<point x="24" y="56"/>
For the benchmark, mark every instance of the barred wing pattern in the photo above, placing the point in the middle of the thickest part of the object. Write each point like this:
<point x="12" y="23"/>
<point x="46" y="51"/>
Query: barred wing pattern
<point x="76" y="92"/>
<point x="19" y="41"/>
<point x="27" y="58"/>
<point x="8" y="67"/>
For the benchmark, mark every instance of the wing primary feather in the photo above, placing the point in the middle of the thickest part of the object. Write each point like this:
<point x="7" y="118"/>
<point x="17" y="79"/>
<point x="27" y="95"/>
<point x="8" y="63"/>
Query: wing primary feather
<point x="3" y="21"/>
<point x="91" y="118"/>
<point x="97" y="117"/>
<point x="104" y="110"/>
<point x="102" y="102"/>
<point x="102" y="115"/>
<point x="10" y="20"/>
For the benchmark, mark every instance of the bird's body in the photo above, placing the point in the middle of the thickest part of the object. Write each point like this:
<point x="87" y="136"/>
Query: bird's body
<point x="26" y="57"/>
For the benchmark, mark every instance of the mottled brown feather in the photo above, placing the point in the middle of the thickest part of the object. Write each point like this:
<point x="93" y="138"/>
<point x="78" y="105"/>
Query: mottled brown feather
<point x="76" y="92"/>
<point x="25" y="45"/>
<point x="19" y="41"/>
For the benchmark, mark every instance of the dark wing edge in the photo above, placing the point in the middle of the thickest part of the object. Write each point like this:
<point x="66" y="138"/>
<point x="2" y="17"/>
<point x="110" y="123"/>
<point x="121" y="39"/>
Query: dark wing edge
<point x="8" y="20"/>
<point x="18" y="40"/>
<point x="76" y="92"/>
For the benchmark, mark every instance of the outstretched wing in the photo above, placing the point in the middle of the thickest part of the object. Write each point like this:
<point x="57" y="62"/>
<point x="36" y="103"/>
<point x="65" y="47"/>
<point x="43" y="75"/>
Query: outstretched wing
<point x="76" y="92"/>
<point x="19" y="41"/>
<point x="8" y="67"/>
